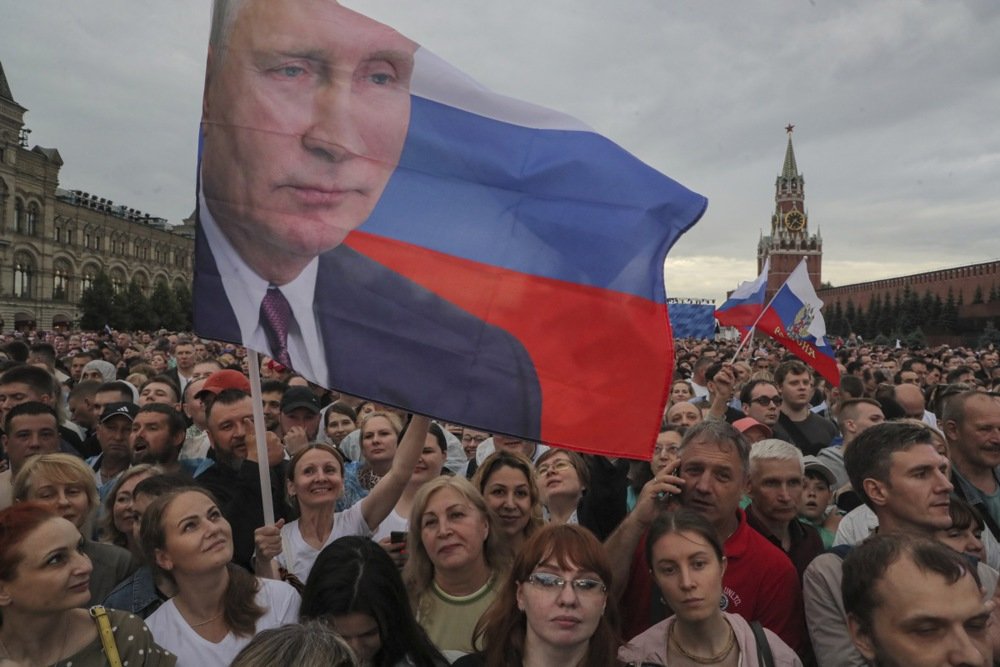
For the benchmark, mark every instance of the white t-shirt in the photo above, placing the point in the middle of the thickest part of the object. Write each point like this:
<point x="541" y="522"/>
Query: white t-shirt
<point x="393" y="522"/>
<point x="279" y="600"/>
<point x="298" y="557"/>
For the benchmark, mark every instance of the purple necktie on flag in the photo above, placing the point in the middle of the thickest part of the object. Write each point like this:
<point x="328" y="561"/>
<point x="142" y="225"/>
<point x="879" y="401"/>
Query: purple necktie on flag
<point x="275" y="317"/>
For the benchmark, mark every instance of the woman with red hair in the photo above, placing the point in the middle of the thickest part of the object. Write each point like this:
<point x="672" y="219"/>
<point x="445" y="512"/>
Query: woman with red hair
<point x="552" y="608"/>
<point x="44" y="581"/>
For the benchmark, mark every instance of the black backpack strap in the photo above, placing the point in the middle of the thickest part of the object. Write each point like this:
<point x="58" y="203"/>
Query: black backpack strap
<point x="764" y="655"/>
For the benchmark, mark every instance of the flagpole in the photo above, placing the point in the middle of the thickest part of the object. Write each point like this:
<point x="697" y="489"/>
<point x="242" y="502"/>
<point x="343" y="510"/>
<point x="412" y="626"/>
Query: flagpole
<point x="261" y="438"/>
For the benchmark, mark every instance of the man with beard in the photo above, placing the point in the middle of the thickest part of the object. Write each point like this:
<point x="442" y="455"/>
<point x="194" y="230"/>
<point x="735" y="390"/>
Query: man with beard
<point x="157" y="436"/>
<point x="234" y="477"/>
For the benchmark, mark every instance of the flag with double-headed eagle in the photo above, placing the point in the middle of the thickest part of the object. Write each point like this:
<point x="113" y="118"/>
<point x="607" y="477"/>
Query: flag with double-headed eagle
<point x="793" y="318"/>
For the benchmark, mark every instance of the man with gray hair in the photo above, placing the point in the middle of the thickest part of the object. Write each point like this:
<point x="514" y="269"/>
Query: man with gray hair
<point x="776" y="482"/>
<point x="971" y="422"/>
<point x="760" y="582"/>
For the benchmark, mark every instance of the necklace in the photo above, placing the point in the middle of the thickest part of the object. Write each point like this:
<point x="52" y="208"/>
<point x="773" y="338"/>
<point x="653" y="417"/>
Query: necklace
<point x="710" y="660"/>
<point x="214" y="618"/>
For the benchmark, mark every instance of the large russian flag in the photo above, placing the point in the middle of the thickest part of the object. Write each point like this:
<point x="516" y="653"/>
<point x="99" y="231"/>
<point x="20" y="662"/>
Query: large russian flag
<point x="746" y="303"/>
<point x="793" y="319"/>
<point x="544" y="241"/>
<point x="529" y="220"/>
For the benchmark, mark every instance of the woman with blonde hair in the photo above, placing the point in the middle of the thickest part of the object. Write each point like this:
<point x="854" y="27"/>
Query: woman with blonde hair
<point x="65" y="485"/>
<point x="457" y="558"/>
<point x="379" y="438"/>
<point x="507" y="482"/>
<point x="552" y="609"/>
<point x="219" y="606"/>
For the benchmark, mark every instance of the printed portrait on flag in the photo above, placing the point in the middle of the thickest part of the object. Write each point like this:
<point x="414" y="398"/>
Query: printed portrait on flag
<point x="364" y="221"/>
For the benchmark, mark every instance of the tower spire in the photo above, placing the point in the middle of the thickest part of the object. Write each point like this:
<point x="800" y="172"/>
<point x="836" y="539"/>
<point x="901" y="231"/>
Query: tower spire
<point x="4" y="86"/>
<point x="790" y="170"/>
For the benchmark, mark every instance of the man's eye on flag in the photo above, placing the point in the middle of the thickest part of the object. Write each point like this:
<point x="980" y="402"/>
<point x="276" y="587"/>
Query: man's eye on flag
<point x="504" y="263"/>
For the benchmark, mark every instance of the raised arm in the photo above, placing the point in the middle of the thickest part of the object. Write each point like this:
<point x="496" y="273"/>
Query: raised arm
<point x="375" y="507"/>
<point x="653" y="499"/>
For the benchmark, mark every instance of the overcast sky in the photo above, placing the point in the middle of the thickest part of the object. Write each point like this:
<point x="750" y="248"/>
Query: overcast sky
<point x="894" y="104"/>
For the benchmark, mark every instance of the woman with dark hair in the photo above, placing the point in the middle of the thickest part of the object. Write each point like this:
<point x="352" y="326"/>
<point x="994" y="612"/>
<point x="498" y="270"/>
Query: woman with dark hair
<point x="339" y="420"/>
<point x="665" y="452"/>
<point x="119" y="517"/>
<point x="563" y="478"/>
<point x="507" y="482"/>
<point x="552" y="608"/>
<point x="355" y="588"/>
<point x="219" y="606"/>
<point x="315" y="483"/>
<point x="687" y="562"/>
<point x="966" y="532"/>
<point x="44" y="580"/>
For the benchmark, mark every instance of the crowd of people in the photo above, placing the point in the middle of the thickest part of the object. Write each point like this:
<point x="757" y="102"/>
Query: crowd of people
<point x="778" y="521"/>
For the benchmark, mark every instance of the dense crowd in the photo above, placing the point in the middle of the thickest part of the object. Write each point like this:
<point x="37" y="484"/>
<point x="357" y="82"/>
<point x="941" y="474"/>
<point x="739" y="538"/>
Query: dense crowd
<point x="779" y="521"/>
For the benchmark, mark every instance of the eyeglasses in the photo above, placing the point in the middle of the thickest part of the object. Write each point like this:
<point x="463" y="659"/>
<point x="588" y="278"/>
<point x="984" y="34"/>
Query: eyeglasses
<point x="552" y="583"/>
<point x="468" y="437"/>
<point x="764" y="401"/>
<point x="667" y="450"/>
<point x="543" y="469"/>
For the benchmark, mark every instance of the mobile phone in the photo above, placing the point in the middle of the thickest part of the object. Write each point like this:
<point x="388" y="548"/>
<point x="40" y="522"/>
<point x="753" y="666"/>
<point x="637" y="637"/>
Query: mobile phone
<point x="397" y="537"/>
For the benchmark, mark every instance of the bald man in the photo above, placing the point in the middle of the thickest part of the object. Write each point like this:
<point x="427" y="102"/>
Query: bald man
<point x="911" y="398"/>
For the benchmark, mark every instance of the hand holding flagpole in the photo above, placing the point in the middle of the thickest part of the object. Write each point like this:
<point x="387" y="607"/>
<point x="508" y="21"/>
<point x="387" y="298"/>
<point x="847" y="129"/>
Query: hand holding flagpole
<point x="261" y="439"/>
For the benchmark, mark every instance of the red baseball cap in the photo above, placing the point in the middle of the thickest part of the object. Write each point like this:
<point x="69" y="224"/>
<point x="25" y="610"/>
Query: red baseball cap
<point x="225" y="379"/>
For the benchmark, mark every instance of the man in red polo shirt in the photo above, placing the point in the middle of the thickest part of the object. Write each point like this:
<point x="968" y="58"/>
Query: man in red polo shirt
<point x="760" y="582"/>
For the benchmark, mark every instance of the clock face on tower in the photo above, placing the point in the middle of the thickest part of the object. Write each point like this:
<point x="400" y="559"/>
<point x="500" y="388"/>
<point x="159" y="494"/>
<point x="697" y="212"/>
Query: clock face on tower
<point x="795" y="221"/>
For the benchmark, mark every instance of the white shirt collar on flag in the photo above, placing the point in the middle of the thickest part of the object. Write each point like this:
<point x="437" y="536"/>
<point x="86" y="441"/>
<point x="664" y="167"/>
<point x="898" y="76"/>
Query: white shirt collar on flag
<point x="246" y="290"/>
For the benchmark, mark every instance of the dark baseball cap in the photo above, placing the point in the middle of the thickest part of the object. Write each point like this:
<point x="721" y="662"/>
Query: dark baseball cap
<point x="119" y="410"/>
<point x="299" y="397"/>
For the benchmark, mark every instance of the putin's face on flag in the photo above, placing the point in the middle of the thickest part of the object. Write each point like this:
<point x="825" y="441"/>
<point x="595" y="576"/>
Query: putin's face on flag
<point x="305" y="112"/>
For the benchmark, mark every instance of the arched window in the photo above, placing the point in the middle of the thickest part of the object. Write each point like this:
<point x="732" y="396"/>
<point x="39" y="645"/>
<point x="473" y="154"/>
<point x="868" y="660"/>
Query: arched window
<point x="31" y="220"/>
<point x="117" y="280"/>
<point x="87" y="279"/>
<point x="24" y="275"/>
<point x="61" y="280"/>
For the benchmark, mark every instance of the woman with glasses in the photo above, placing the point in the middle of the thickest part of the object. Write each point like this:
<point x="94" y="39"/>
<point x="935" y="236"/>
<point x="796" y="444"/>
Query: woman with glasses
<point x="552" y="609"/>
<point x="687" y="563"/>
<point x="563" y="478"/>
